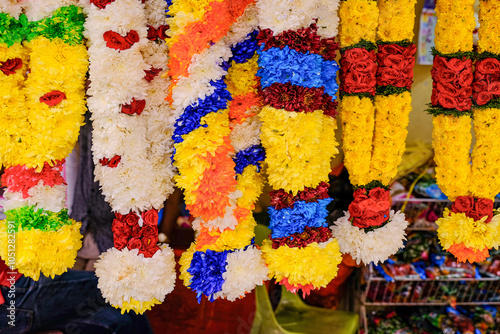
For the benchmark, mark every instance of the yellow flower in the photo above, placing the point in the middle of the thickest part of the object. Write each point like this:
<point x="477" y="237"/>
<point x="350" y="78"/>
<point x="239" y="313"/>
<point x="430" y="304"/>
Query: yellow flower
<point x="43" y="252"/>
<point x="358" y="20"/>
<point x="138" y="306"/>
<point x="316" y="264"/>
<point x="251" y="184"/>
<point x="396" y="20"/>
<point x="454" y="27"/>
<point x="185" y="263"/>
<point x="457" y="228"/>
<point x="13" y="114"/>
<point x="451" y="141"/>
<point x="358" y="115"/>
<point x="391" y="119"/>
<point x="485" y="178"/>
<point x="240" y="79"/>
<point x="299" y="147"/>
<point x="489" y="39"/>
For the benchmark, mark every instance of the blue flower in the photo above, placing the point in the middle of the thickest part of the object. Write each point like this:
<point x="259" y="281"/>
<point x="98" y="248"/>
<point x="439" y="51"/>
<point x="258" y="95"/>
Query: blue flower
<point x="288" y="221"/>
<point x="192" y="115"/>
<point x="245" y="50"/>
<point x="329" y="69"/>
<point x="249" y="156"/>
<point x="206" y="270"/>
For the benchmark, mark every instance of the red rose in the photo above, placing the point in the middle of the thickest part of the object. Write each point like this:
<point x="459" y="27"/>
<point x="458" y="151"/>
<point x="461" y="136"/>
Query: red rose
<point x="363" y="67"/>
<point x="355" y="210"/>
<point x="162" y="31"/>
<point x="376" y="220"/>
<point x="484" y="207"/>
<point x="480" y="86"/>
<point x="53" y="98"/>
<point x="439" y="63"/>
<point x="152" y="34"/>
<point x="115" y="41"/>
<point x="10" y="66"/>
<point x="448" y="89"/>
<point x="136" y="231"/>
<point x="149" y="252"/>
<point x="151" y="73"/>
<point x="494" y="88"/>
<point x="358" y="55"/>
<point x="464" y="104"/>
<point x="391" y="49"/>
<point x="131" y="219"/>
<point x="148" y="230"/>
<point x="150" y="217"/>
<point x="380" y="194"/>
<point x="447" y="101"/>
<point x="397" y="62"/>
<point x="482" y="98"/>
<point x="134" y="243"/>
<point x="149" y="241"/>
<point x="120" y="242"/>
<point x="132" y="37"/>
<point x="360" y="195"/>
<point x="488" y="66"/>
<point x="465" y="78"/>
<point x="456" y="64"/>
<point x="101" y="4"/>
<point x="463" y="204"/>
<point x="446" y="75"/>
<point x="118" y="225"/>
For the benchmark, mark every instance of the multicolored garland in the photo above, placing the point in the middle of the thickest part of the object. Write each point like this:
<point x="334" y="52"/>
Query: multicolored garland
<point x="374" y="130"/>
<point x="132" y="126"/>
<point x="472" y="226"/>
<point x="41" y="116"/>
<point x="217" y="147"/>
<point x="298" y="81"/>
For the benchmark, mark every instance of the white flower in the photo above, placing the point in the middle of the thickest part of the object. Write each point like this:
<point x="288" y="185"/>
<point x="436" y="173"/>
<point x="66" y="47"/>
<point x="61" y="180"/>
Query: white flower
<point x="11" y="7"/>
<point x="126" y="274"/>
<point x="245" y="270"/>
<point x="37" y="10"/>
<point x="374" y="246"/>
<point x="246" y="134"/>
<point x="41" y="196"/>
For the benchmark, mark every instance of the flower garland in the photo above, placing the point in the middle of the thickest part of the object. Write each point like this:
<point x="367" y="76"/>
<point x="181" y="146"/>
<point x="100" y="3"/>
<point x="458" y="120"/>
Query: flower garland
<point x="298" y="81"/>
<point x="471" y="227"/>
<point x="44" y="116"/>
<point x="217" y="139"/>
<point x="374" y="131"/>
<point x="131" y="147"/>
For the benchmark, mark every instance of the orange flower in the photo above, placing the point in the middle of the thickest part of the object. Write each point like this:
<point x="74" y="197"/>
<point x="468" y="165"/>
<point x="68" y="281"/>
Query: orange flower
<point x="240" y="105"/>
<point x="463" y="253"/>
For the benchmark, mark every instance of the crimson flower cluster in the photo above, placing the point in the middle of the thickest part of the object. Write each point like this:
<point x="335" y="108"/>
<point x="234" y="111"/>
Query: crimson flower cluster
<point x="486" y="84"/>
<point x="474" y="208"/>
<point x="281" y="199"/>
<point x="160" y="32"/>
<point x="134" y="107"/>
<point x="300" y="240"/>
<point x="452" y="83"/>
<point x="299" y="98"/>
<point x="395" y="65"/>
<point x="370" y="208"/>
<point x="128" y="233"/>
<point x="302" y="40"/>
<point x="358" y="69"/>
<point x="112" y="163"/>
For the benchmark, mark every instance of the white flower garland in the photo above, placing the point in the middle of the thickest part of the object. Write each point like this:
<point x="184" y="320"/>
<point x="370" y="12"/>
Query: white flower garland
<point x="142" y="179"/>
<point x="374" y="246"/>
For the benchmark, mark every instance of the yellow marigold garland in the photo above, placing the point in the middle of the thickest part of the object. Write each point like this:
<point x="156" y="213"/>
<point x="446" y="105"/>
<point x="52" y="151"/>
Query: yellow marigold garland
<point x="396" y="20"/>
<point x="358" y="121"/>
<point x="489" y="39"/>
<point x="352" y="12"/>
<point x="389" y="141"/>
<point x="454" y="26"/>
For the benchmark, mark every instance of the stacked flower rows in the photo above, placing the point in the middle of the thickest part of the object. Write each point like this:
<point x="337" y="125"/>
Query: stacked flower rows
<point x="41" y="113"/>
<point x="375" y="107"/>
<point x="471" y="227"/>
<point x="298" y="81"/>
<point x="132" y="125"/>
<point x="217" y="151"/>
